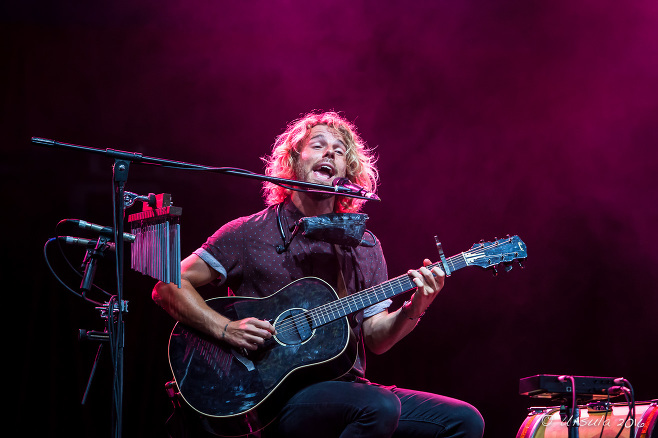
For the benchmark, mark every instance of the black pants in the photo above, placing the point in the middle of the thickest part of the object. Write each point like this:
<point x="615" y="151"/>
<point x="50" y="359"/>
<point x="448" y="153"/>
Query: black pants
<point x="353" y="410"/>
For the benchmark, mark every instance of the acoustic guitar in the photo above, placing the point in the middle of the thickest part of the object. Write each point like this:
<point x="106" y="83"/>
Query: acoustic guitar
<point x="235" y="393"/>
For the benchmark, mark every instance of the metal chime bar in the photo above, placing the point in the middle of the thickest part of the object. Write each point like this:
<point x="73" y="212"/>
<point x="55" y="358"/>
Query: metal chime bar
<point x="156" y="250"/>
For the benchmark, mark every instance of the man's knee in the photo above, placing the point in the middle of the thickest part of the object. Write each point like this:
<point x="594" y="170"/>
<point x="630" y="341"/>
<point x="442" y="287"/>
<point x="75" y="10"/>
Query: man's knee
<point x="384" y="412"/>
<point x="434" y="415"/>
<point x="471" y="421"/>
<point x="387" y="405"/>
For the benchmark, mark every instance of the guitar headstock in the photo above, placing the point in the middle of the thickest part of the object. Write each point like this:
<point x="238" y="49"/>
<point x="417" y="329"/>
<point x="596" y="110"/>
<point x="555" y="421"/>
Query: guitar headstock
<point x="501" y="251"/>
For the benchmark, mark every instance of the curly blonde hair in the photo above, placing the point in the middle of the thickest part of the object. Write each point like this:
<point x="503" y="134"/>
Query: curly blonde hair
<point x="359" y="158"/>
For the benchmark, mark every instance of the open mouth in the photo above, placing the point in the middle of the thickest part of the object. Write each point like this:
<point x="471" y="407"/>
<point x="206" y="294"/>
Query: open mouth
<point x="324" y="171"/>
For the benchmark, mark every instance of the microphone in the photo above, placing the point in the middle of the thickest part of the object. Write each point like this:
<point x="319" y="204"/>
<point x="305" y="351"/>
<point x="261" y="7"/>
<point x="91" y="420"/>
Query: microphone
<point x="100" y="229"/>
<point x="94" y="250"/>
<point x="84" y="242"/>
<point x="355" y="189"/>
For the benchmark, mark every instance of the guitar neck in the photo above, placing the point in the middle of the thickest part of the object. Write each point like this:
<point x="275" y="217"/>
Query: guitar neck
<point x="353" y="303"/>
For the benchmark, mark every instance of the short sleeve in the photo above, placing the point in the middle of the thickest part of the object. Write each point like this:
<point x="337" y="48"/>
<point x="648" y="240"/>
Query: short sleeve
<point x="378" y="274"/>
<point x="223" y="251"/>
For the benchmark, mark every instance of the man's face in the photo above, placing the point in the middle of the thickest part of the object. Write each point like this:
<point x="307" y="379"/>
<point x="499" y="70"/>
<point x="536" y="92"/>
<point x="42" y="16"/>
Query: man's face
<point x="322" y="156"/>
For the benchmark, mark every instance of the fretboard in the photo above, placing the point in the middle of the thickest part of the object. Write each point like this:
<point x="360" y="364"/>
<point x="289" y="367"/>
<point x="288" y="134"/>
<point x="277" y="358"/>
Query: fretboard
<point x="331" y="311"/>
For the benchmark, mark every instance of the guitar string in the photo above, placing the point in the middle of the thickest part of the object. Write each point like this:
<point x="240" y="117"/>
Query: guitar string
<point x="328" y="310"/>
<point x="320" y="315"/>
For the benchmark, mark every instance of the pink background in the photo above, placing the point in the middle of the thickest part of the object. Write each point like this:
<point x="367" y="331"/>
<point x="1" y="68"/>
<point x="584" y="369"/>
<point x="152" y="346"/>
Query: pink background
<point x="489" y="118"/>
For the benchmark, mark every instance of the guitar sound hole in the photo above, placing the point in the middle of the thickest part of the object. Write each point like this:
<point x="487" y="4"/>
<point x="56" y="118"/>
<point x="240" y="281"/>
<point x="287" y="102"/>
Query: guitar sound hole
<point x="293" y="327"/>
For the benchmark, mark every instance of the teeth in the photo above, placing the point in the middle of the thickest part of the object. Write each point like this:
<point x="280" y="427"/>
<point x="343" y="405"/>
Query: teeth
<point x="328" y="169"/>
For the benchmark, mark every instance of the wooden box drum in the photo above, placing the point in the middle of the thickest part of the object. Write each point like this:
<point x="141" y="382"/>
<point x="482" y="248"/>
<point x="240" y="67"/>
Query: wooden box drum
<point x="545" y="422"/>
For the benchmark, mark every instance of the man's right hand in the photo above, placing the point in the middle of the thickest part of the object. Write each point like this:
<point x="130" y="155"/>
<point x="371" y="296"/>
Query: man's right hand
<point x="249" y="333"/>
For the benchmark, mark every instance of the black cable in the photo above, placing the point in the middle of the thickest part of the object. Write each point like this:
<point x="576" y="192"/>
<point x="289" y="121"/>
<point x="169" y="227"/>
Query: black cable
<point x="631" y="406"/>
<point x="68" y="262"/>
<point x="61" y="250"/>
<point x="623" y="425"/>
<point x="45" y="256"/>
<point x="607" y="405"/>
<point x="575" y="413"/>
<point x="77" y="294"/>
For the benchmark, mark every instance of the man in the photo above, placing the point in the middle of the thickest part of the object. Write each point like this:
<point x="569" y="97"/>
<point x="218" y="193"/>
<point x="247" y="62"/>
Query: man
<point x="243" y="255"/>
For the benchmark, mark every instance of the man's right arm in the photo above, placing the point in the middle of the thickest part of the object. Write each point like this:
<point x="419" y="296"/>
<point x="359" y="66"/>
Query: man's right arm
<point x="186" y="305"/>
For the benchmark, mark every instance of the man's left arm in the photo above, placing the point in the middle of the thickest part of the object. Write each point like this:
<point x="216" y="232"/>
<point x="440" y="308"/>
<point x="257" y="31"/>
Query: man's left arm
<point x="383" y="330"/>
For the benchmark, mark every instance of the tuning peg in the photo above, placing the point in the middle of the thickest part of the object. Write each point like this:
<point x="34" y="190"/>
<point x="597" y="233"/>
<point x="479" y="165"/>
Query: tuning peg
<point x="520" y="264"/>
<point x="508" y="267"/>
<point x="494" y="271"/>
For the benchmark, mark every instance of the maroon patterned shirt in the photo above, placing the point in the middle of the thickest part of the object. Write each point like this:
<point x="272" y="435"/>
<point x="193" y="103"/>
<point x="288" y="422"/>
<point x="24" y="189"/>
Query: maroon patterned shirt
<point x="244" y="254"/>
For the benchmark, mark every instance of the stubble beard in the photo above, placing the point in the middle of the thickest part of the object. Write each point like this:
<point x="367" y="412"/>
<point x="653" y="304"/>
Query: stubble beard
<point x="302" y="175"/>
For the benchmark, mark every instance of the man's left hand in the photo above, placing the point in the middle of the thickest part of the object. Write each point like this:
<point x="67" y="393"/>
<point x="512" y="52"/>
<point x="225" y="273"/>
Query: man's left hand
<point x="428" y="283"/>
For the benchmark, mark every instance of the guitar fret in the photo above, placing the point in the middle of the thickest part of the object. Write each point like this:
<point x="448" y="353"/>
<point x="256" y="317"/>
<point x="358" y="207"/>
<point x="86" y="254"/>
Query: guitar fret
<point x="365" y="298"/>
<point x="376" y="294"/>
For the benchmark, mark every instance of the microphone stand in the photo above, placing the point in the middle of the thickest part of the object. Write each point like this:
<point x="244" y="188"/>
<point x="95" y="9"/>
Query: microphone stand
<point x="89" y="264"/>
<point x="137" y="157"/>
<point x="120" y="170"/>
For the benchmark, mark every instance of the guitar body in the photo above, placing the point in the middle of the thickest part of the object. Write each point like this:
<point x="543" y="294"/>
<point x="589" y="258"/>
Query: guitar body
<point x="237" y="394"/>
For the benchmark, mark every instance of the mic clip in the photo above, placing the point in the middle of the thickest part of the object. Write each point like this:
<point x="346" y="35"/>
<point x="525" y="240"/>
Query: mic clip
<point x="129" y="198"/>
<point x="89" y="263"/>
